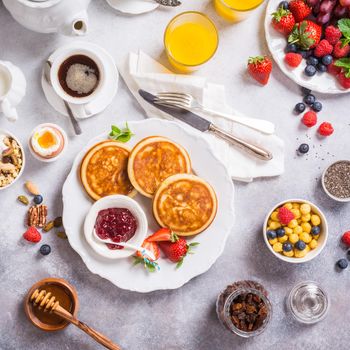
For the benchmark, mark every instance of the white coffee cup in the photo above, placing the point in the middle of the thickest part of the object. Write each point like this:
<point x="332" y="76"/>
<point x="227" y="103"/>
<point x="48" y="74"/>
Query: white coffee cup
<point x="79" y="105"/>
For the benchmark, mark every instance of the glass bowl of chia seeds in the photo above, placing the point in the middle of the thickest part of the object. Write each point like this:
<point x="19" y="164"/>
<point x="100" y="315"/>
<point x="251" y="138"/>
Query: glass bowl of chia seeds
<point x="336" y="181"/>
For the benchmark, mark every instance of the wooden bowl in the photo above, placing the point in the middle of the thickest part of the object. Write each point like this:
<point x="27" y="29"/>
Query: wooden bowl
<point x="64" y="293"/>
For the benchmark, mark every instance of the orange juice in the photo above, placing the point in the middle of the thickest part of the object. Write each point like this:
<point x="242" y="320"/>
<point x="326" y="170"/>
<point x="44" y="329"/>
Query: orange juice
<point x="235" y="10"/>
<point x="190" y="40"/>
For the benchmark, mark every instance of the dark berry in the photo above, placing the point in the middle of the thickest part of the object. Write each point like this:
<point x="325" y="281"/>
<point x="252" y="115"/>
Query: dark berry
<point x="309" y="99"/>
<point x="287" y="247"/>
<point x="315" y="230"/>
<point x="38" y="199"/>
<point x="291" y="48"/>
<point x="348" y="254"/>
<point x="284" y="5"/>
<point x="342" y="264"/>
<point x="310" y="71"/>
<point x="312" y="61"/>
<point x="327" y="60"/>
<point x="305" y="91"/>
<point x="300" y="245"/>
<point x="271" y="234"/>
<point x="299" y="108"/>
<point x="280" y="232"/>
<point x="305" y="54"/>
<point x="45" y="249"/>
<point x="317" y="106"/>
<point x="321" y="68"/>
<point x="303" y="148"/>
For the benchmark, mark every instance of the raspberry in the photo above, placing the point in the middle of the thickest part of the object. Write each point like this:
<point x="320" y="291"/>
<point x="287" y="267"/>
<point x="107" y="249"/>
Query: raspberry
<point x="32" y="235"/>
<point x="333" y="69"/>
<point x="325" y="129"/>
<point x="340" y="51"/>
<point x="332" y="34"/>
<point x="293" y="59"/>
<point x="323" y="48"/>
<point x="346" y="238"/>
<point x="343" y="80"/>
<point x="285" y="216"/>
<point x="309" y="119"/>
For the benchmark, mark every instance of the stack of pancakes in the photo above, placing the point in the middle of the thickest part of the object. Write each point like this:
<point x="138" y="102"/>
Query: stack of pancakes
<point x="157" y="168"/>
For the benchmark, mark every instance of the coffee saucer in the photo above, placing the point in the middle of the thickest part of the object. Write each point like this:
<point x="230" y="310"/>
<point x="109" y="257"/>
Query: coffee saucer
<point x="102" y="100"/>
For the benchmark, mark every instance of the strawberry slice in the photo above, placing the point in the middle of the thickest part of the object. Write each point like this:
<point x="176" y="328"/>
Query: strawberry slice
<point x="149" y="264"/>
<point x="163" y="235"/>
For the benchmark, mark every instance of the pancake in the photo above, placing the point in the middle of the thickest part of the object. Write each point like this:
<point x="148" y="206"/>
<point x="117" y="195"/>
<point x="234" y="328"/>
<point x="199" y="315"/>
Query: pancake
<point x="154" y="159"/>
<point x="185" y="203"/>
<point x="103" y="170"/>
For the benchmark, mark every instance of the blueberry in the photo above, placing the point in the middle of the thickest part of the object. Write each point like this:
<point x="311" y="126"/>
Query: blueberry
<point x="284" y="5"/>
<point x="315" y="230"/>
<point x="271" y="234"/>
<point x="317" y="106"/>
<point x="300" y="245"/>
<point x="303" y="148"/>
<point x="287" y="247"/>
<point x="310" y="71"/>
<point x="321" y="68"/>
<point x="38" y="199"/>
<point x="305" y="54"/>
<point x="348" y="254"/>
<point x="342" y="264"/>
<point x="45" y="249"/>
<point x="280" y="232"/>
<point x="299" y="108"/>
<point x="326" y="60"/>
<point x="305" y="91"/>
<point x="312" y="61"/>
<point x="309" y="99"/>
<point x="291" y="48"/>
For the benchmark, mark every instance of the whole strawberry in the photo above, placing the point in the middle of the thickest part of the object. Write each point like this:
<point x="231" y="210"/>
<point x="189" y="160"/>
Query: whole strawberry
<point x="293" y="59"/>
<point x="283" y="21"/>
<point x="344" y="81"/>
<point x="346" y="238"/>
<point x="323" y="48"/>
<point x="285" y="216"/>
<point x="260" y="68"/>
<point x="300" y="9"/>
<point x="306" y="35"/>
<point x="32" y="235"/>
<point x="332" y="34"/>
<point x="309" y="119"/>
<point x="325" y="129"/>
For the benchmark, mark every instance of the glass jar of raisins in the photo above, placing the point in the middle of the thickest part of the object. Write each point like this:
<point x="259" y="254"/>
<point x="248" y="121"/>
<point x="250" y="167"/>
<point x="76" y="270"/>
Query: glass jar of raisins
<point x="244" y="308"/>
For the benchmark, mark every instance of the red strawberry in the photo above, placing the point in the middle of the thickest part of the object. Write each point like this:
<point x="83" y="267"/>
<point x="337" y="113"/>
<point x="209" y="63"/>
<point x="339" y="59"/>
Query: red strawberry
<point x="260" y="68"/>
<point x="152" y="247"/>
<point x="293" y="59"/>
<point x="325" y="129"/>
<point x="323" y="48"/>
<point x="176" y="251"/>
<point x="163" y="235"/>
<point x="283" y="21"/>
<point x="300" y="9"/>
<point x="32" y="235"/>
<point x="344" y="81"/>
<point x="346" y="238"/>
<point x="340" y="51"/>
<point x="332" y="34"/>
<point x="309" y="119"/>
<point x="333" y="69"/>
<point x="306" y="35"/>
<point x="285" y="216"/>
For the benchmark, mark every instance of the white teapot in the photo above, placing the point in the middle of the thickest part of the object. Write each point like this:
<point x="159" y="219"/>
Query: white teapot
<point x="68" y="17"/>
<point x="12" y="89"/>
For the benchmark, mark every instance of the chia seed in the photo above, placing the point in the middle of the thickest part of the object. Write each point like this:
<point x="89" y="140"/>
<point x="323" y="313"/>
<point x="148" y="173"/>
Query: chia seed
<point x="337" y="179"/>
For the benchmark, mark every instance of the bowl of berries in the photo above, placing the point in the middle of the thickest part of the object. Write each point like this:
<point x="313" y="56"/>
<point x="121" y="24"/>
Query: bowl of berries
<point x="310" y="42"/>
<point x="295" y="231"/>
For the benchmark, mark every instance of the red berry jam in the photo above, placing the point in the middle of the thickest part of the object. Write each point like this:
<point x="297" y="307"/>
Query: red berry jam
<point x="117" y="224"/>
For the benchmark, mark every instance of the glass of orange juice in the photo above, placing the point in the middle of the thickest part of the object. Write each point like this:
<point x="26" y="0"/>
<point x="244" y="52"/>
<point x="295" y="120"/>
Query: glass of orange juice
<point x="190" y="39"/>
<point x="236" y="10"/>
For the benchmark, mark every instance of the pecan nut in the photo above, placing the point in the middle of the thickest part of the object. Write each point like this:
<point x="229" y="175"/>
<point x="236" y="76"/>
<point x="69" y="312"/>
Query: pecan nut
<point x="37" y="215"/>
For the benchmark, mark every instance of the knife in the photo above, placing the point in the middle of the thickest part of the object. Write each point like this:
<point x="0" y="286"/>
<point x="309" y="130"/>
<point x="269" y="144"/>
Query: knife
<point x="204" y="125"/>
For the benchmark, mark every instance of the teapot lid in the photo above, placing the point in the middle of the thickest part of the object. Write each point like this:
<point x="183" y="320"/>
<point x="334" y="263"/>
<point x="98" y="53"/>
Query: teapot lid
<point x="39" y="3"/>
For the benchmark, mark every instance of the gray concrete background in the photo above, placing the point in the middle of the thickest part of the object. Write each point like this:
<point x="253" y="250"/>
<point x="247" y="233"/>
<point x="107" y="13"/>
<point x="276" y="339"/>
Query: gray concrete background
<point x="183" y="318"/>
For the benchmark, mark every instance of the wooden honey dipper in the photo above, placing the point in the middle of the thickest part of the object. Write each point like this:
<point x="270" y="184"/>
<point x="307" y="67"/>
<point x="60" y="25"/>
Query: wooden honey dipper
<point x="46" y="301"/>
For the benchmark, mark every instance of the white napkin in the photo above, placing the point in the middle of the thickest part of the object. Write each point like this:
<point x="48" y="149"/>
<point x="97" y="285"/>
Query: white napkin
<point x="140" y="71"/>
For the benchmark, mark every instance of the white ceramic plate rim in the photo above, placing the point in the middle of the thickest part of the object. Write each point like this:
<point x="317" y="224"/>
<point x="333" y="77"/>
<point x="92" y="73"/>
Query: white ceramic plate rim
<point x="135" y="9"/>
<point x="222" y="224"/>
<point x="323" y="83"/>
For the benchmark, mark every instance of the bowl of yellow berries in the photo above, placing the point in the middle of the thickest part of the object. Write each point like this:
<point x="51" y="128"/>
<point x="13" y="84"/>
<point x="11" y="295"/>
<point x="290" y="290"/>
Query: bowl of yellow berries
<point x="295" y="231"/>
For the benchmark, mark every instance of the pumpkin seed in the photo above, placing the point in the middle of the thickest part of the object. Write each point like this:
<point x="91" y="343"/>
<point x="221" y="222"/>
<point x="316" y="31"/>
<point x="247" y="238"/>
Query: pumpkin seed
<point x="62" y="235"/>
<point x="58" y="221"/>
<point x="49" y="226"/>
<point x="23" y="199"/>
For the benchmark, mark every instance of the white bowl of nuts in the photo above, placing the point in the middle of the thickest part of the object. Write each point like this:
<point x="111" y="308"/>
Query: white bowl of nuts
<point x="295" y="231"/>
<point x="12" y="159"/>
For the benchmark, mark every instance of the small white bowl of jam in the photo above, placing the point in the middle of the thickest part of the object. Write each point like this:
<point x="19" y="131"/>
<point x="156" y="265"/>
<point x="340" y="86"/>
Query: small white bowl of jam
<point x="118" y="218"/>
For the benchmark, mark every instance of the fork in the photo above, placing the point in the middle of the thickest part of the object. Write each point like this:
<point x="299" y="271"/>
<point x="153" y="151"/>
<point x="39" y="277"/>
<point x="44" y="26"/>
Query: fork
<point x="172" y="3"/>
<point x="187" y="101"/>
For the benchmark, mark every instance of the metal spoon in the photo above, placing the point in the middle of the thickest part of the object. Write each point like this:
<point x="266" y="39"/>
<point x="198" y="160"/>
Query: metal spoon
<point x="76" y="126"/>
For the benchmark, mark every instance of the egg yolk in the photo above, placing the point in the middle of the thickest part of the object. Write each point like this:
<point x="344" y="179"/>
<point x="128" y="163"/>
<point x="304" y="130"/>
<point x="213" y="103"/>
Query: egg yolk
<point x="46" y="140"/>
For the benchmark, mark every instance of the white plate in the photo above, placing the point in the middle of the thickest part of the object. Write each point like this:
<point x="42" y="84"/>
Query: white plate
<point x="321" y="82"/>
<point x="133" y="7"/>
<point x="76" y="205"/>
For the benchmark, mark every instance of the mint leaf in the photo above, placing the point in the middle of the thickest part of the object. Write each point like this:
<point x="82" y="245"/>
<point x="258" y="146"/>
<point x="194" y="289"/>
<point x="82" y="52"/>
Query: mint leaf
<point x="344" y="26"/>
<point x="343" y="62"/>
<point x="121" y="135"/>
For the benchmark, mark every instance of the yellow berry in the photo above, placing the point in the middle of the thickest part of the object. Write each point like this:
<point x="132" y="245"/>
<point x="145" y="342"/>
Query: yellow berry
<point x="299" y="253"/>
<point x="313" y="244"/>
<point x="306" y="237"/>
<point x="274" y="216"/>
<point x="293" y="238"/>
<point x="275" y="225"/>
<point x="296" y="213"/>
<point x="307" y="248"/>
<point x="273" y="241"/>
<point x="297" y="230"/>
<point x="306" y="217"/>
<point x="269" y="222"/>
<point x="306" y="227"/>
<point x="305" y="209"/>
<point x="277" y="247"/>
<point x="296" y="205"/>
<point x="315" y="220"/>
<point x="289" y="206"/>
<point x="288" y="230"/>
<point x="316" y="237"/>
<point x="290" y="254"/>
<point x="293" y="223"/>
<point x="283" y="239"/>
